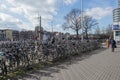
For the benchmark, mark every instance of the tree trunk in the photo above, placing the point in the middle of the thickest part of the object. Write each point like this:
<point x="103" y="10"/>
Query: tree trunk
<point x="86" y="34"/>
<point x="77" y="34"/>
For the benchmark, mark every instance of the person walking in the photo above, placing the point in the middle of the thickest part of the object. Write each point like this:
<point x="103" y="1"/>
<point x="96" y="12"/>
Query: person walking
<point x="108" y="43"/>
<point x="113" y="44"/>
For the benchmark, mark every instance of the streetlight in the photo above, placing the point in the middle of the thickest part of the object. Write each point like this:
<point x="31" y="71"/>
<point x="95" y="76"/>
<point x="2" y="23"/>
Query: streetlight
<point x="82" y="18"/>
<point x="52" y="25"/>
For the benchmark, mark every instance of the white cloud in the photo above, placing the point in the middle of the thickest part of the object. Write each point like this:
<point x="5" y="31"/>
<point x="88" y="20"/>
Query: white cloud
<point x="5" y="17"/>
<point x="2" y="6"/>
<point x="8" y="21"/>
<point x="98" y="12"/>
<point x="29" y="10"/>
<point x="58" y="26"/>
<point x="26" y="12"/>
<point x="51" y="1"/>
<point x="69" y="1"/>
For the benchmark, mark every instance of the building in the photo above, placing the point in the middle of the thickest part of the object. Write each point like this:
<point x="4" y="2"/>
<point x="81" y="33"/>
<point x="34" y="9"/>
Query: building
<point x="15" y="35"/>
<point x="6" y="35"/>
<point x="119" y="3"/>
<point x="116" y="15"/>
<point x="2" y="35"/>
<point x="26" y="35"/>
<point x="116" y="23"/>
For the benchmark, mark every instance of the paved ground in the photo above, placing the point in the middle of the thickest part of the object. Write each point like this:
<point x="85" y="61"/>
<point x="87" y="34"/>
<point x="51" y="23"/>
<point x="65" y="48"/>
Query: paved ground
<point x="102" y="65"/>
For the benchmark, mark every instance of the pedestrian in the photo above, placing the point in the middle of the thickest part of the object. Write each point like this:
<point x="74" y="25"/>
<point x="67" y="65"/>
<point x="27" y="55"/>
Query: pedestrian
<point x="113" y="44"/>
<point x="108" y="43"/>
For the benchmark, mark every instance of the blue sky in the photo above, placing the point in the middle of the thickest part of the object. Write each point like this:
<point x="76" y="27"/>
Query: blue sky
<point x="18" y="14"/>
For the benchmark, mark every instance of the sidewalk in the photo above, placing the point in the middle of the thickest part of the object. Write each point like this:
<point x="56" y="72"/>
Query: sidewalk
<point x="102" y="65"/>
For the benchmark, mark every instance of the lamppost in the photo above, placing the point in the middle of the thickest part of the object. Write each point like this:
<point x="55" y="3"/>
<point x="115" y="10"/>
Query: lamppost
<point x="40" y="29"/>
<point x="82" y="37"/>
<point x="52" y="25"/>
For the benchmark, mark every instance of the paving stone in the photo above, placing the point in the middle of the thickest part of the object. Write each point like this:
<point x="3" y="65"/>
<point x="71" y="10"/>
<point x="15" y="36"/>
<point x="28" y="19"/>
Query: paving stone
<point x="104" y="65"/>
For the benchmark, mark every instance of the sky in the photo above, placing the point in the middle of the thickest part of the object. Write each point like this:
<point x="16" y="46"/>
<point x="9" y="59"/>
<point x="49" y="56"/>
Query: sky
<point x="23" y="14"/>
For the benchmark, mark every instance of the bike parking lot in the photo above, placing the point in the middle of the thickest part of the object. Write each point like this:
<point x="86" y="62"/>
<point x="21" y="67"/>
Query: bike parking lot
<point x="16" y="55"/>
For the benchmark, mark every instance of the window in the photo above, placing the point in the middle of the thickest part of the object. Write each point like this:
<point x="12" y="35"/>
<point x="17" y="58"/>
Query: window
<point x="117" y="33"/>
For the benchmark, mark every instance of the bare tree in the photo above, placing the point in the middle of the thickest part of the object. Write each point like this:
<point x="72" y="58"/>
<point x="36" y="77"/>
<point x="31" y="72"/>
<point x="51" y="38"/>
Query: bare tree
<point x="88" y="24"/>
<point x="72" y="21"/>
